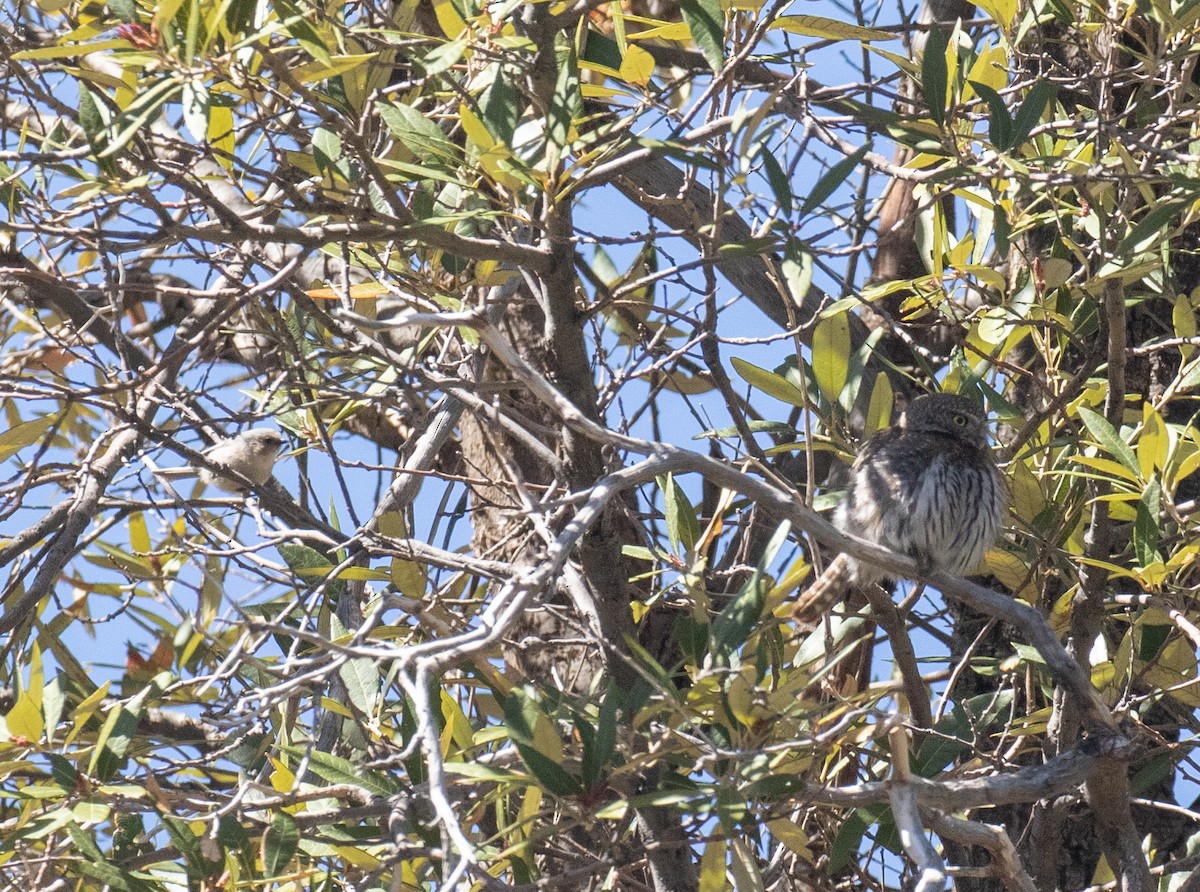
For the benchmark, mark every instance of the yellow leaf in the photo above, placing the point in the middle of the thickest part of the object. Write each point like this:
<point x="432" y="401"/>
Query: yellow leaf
<point x="791" y="835"/>
<point x="365" y="574"/>
<point x="790" y="582"/>
<point x="72" y="49"/>
<point x="1183" y="317"/>
<point x="1152" y="576"/>
<point x="283" y="779"/>
<point x="311" y="72"/>
<point x="530" y="804"/>
<point x="139" y="536"/>
<point x="879" y="412"/>
<point x="1106" y="466"/>
<point x="220" y="134"/>
<point x="664" y="31"/>
<point x="25" y="719"/>
<point x="84" y="711"/>
<point x="637" y="66"/>
<point x="490" y="273"/>
<point x="739" y="697"/>
<point x="448" y="19"/>
<point x="1012" y="572"/>
<point x="458" y="726"/>
<point x="595" y="91"/>
<point x="164" y="14"/>
<point x="493" y="163"/>
<point x="360" y="291"/>
<point x="475" y="129"/>
<point x="831" y="355"/>
<point x="990" y="69"/>
<point x="358" y="858"/>
<point x="1001" y="12"/>
<point x="1027" y="498"/>
<point x="986" y="275"/>
<point x="546" y="740"/>
<point x="1175" y="669"/>
<point x="18" y="437"/>
<point x="744" y="866"/>
<point x="1188" y="465"/>
<point x="1153" y="443"/>
<point x="336" y="707"/>
<point x="712" y="867"/>
<point x="681" y="382"/>
<point x="408" y="577"/>
<point x="829" y="29"/>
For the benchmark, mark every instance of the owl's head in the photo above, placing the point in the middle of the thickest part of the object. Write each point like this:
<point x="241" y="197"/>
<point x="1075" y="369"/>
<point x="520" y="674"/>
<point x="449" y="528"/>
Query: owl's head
<point x="947" y="413"/>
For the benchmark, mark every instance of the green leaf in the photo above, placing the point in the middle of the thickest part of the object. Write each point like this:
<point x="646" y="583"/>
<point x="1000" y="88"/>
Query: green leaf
<point x="1151" y="639"/>
<point x="112" y="742"/>
<point x="1183" y="320"/>
<point x="327" y="149"/>
<point x="302" y="557"/>
<point x="360" y="675"/>
<point x="63" y="771"/>
<point x="599" y="749"/>
<point x="125" y="10"/>
<point x="797" y="269"/>
<point x="419" y="135"/>
<point x="758" y="426"/>
<point x="777" y="179"/>
<point x="138" y="113"/>
<point x="91" y="862"/>
<point x="296" y="23"/>
<point x="1104" y="434"/>
<point x="934" y="75"/>
<point x="956" y="732"/>
<point x="520" y="716"/>
<point x="1000" y="127"/>
<point x="1002" y="229"/>
<point x="833" y="178"/>
<point x="337" y="770"/>
<point x="112" y="877"/>
<point x="501" y="105"/>
<point x="1160" y="214"/>
<point x="707" y="24"/>
<point x="600" y="49"/>
<point x="682" y="527"/>
<point x="84" y="844"/>
<point x="1040" y="95"/>
<point x="567" y="102"/>
<point x="90" y="117"/>
<point x="280" y="843"/>
<point x="443" y="57"/>
<point x="1146" y="525"/>
<point x="769" y="383"/>
<point x="848" y="842"/>
<point x="741" y="616"/>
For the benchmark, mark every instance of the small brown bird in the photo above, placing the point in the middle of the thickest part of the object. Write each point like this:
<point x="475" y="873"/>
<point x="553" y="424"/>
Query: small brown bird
<point x="251" y="453"/>
<point x="926" y="487"/>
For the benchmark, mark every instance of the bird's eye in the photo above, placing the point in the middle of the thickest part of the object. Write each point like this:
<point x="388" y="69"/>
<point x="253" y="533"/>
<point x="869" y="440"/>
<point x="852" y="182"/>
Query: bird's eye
<point x="961" y="420"/>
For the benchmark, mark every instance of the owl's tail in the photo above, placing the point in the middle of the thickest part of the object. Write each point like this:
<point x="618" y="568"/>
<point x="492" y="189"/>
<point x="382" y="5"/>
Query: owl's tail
<point x="828" y="589"/>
